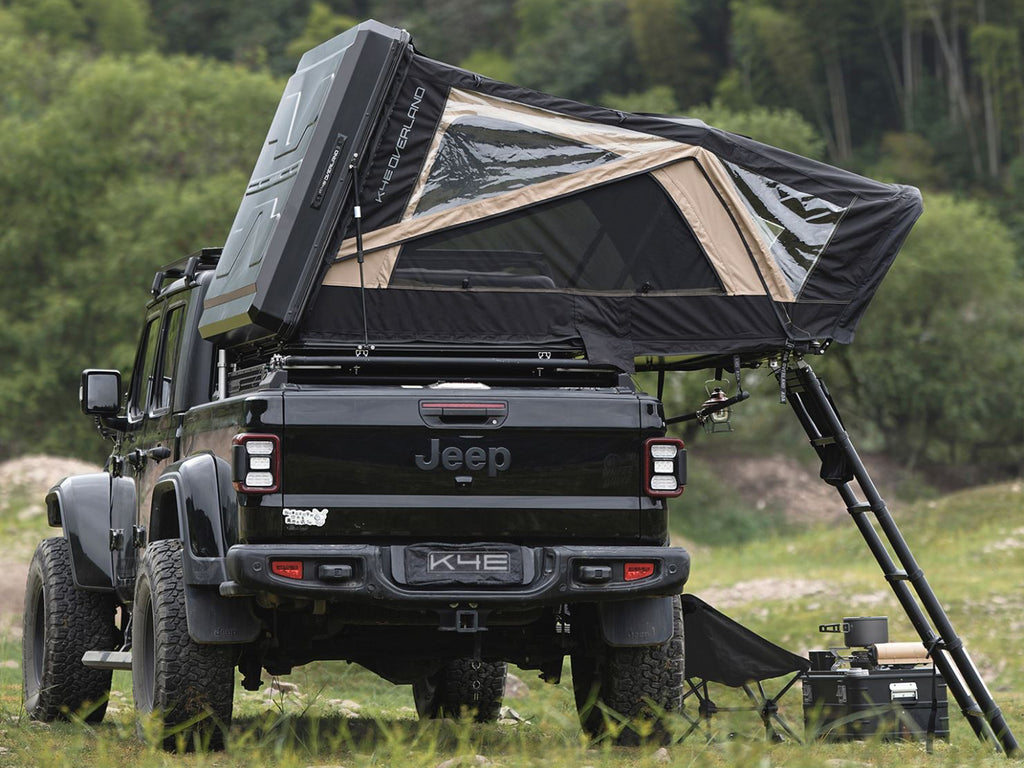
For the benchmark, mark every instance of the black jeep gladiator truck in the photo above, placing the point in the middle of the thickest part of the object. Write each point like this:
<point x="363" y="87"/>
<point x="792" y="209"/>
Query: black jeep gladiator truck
<point x="392" y="420"/>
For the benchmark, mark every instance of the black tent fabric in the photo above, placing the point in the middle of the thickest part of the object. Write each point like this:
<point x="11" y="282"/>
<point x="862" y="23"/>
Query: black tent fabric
<point x="723" y="651"/>
<point x="492" y="215"/>
<point x="840" y="237"/>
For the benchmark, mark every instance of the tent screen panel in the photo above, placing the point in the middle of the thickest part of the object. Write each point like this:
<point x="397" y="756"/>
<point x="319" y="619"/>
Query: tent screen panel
<point x="622" y="237"/>
<point x="796" y="226"/>
<point x="480" y="157"/>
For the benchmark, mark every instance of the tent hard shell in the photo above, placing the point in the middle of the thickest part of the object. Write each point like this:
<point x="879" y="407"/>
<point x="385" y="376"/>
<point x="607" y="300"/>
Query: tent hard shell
<point x="496" y="216"/>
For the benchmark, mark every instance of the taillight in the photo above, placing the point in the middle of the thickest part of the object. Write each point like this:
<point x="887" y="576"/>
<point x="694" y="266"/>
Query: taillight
<point x="289" y="569"/>
<point x="637" y="571"/>
<point x="664" y="467"/>
<point x="256" y="463"/>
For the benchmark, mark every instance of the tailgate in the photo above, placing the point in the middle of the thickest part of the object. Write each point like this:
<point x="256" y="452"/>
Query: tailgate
<point x="466" y="464"/>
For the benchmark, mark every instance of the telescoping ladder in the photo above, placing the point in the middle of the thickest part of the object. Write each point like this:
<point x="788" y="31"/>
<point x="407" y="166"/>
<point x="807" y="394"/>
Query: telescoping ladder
<point x="841" y="464"/>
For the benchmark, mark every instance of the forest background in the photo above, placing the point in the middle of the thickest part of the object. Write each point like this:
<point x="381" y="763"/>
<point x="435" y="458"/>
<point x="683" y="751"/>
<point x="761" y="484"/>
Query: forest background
<point x="129" y="128"/>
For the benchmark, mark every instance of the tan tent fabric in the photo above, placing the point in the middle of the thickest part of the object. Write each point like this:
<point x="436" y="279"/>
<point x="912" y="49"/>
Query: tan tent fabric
<point x="729" y="249"/>
<point x="517" y="199"/>
<point x="692" y="176"/>
<point x="377" y="267"/>
<point x="729" y="236"/>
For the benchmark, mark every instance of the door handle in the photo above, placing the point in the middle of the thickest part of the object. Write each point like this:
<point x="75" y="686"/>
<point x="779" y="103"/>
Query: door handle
<point x="159" y="453"/>
<point x="137" y="458"/>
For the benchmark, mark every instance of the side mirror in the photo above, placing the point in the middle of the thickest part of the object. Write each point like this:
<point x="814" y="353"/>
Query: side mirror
<point x="100" y="393"/>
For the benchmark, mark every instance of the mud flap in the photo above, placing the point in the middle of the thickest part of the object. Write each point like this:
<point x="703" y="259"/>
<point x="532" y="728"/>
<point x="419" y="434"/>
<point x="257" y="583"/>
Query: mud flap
<point x="216" y="620"/>
<point x="647" y="621"/>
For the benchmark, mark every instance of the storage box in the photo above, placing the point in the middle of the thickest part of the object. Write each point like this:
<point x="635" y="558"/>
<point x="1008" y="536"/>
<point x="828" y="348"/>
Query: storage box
<point x="881" y="703"/>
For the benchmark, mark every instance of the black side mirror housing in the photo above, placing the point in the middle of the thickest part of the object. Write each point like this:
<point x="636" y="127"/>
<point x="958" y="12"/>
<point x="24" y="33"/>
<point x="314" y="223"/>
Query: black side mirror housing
<point x="100" y="393"/>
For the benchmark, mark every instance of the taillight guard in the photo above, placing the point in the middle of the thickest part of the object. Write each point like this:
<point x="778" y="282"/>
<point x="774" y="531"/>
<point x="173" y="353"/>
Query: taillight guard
<point x="664" y="467"/>
<point x="256" y="463"/>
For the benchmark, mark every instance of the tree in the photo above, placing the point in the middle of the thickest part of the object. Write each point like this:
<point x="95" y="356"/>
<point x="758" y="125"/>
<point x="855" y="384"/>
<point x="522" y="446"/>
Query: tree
<point x="668" y="47"/>
<point x="783" y="128"/>
<point x="937" y="363"/>
<point x="133" y="163"/>
<point x="322" y="24"/>
<point x="107" y="25"/>
<point x="575" y="48"/>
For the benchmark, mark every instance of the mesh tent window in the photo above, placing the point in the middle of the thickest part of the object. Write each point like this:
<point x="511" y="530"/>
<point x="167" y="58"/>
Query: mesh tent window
<point x="621" y="237"/>
<point x="480" y="157"/>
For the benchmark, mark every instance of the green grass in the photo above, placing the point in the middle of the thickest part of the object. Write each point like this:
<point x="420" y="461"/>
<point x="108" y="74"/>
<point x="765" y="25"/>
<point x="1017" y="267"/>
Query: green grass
<point x="970" y="544"/>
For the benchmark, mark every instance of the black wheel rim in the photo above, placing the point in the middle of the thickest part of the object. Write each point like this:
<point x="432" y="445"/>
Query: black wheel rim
<point x="145" y="675"/>
<point x="38" y="639"/>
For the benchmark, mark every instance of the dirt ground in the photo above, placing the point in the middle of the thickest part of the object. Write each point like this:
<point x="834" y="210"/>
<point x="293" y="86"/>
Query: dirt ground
<point x="794" y="488"/>
<point x="27" y="477"/>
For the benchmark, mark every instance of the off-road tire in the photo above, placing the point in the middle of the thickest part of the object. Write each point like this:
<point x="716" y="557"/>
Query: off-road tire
<point x="631" y="689"/>
<point x="190" y="687"/>
<point x="460" y="687"/>
<point x="60" y="624"/>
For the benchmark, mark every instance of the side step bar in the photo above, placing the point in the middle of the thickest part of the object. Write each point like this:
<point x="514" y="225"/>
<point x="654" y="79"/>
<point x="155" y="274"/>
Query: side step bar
<point x="840" y="464"/>
<point x="107" y="659"/>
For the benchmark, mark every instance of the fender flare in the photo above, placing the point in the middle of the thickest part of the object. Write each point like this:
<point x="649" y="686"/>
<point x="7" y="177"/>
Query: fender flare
<point x="198" y="491"/>
<point x="200" y="487"/>
<point x="81" y="505"/>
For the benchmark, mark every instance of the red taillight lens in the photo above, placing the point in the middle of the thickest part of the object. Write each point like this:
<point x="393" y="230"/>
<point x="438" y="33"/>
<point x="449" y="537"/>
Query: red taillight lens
<point x="664" y="467"/>
<point x="256" y="463"/>
<point x="637" y="571"/>
<point x="289" y="569"/>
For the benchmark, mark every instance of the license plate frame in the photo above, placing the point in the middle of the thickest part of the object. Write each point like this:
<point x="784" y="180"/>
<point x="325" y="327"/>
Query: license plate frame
<point x="479" y="565"/>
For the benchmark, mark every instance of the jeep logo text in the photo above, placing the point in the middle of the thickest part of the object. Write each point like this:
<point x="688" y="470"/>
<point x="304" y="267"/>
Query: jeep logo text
<point x="474" y="459"/>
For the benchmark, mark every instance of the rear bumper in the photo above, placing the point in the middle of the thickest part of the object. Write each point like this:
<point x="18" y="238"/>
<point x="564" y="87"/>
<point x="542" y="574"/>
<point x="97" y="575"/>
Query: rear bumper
<point x="551" y="575"/>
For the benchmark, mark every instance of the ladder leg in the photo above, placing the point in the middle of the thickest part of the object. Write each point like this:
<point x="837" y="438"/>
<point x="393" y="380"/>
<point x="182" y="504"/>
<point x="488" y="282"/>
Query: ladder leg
<point x="987" y="720"/>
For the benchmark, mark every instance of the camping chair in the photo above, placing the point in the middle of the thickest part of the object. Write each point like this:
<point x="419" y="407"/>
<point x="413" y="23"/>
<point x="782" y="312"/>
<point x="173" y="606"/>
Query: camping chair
<point x="719" y="650"/>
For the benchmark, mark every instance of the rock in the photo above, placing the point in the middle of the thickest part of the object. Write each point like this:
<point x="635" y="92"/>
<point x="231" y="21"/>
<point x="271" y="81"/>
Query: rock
<point x="280" y="686"/>
<point x="352" y="706"/>
<point x="662" y="757"/>
<point x="509" y="716"/>
<point x="463" y="761"/>
<point x="515" y="688"/>
<point x="838" y="762"/>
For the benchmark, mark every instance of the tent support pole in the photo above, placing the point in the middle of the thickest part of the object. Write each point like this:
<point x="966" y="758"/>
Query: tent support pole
<point x="357" y="215"/>
<point x="818" y="415"/>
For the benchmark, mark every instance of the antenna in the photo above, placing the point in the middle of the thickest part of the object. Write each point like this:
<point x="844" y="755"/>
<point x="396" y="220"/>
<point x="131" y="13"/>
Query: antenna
<point x="357" y="214"/>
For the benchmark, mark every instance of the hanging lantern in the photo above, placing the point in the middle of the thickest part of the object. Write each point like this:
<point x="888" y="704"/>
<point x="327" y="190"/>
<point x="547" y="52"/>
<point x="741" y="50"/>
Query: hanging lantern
<point x="717" y="420"/>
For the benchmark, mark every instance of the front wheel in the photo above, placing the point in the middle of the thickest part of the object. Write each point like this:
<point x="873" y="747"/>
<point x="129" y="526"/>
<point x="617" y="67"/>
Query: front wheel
<point x="625" y="693"/>
<point x="61" y="623"/>
<point x="460" y="687"/>
<point x="190" y="687"/>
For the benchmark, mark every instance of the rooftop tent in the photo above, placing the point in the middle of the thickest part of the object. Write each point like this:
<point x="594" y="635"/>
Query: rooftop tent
<point x="492" y="214"/>
<point x="293" y="202"/>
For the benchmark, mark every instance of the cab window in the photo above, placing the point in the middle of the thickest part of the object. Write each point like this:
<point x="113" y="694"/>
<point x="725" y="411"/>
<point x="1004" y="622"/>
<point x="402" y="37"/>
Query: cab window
<point x="145" y="369"/>
<point x="172" y="330"/>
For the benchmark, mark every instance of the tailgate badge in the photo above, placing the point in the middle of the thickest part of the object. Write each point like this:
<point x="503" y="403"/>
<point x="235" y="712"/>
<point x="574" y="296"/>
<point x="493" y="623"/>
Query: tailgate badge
<point x="494" y="460"/>
<point x="317" y="517"/>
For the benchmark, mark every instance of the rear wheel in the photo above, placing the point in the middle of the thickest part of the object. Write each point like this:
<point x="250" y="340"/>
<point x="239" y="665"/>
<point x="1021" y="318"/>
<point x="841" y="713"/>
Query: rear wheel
<point x="625" y="693"/>
<point x="463" y="686"/>
<point x="61" y="623"/>
<point x="189" y="686"/>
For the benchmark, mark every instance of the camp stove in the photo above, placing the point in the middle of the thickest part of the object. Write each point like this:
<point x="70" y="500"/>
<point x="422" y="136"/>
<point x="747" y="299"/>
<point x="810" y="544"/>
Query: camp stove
<point x="873" y="688"/>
